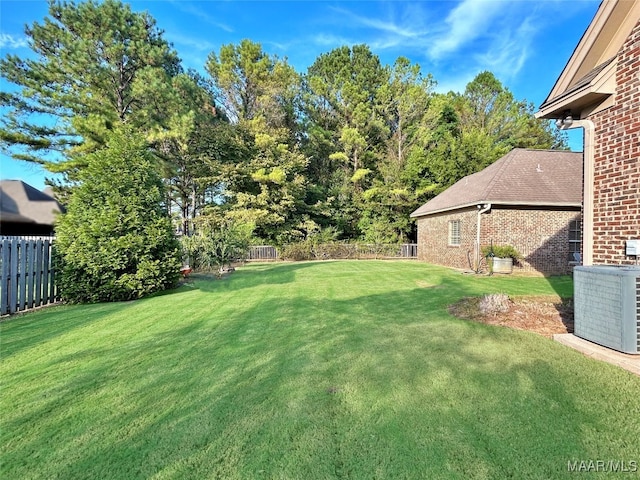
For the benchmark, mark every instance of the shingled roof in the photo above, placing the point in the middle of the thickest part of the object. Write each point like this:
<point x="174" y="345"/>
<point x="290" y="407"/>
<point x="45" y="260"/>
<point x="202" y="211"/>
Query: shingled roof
<point x="522" y="177"/>
<point x="588" y="81"/>
<point x="21" y="203"/>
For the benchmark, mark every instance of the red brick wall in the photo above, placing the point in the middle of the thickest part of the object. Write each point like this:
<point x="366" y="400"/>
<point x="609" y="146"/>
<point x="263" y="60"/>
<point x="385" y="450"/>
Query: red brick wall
<point x="433" y="237"/>
<point x="541" y="236"/>
<point x="617" y="162"/>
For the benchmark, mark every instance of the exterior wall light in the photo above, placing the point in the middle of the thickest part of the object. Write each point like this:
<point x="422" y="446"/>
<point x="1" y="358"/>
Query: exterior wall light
<point x="566" y="122"/>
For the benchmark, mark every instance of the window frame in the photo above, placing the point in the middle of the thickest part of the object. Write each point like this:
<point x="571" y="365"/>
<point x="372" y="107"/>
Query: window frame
<point x="454" y="237"/>
<point x="575" y="238"/>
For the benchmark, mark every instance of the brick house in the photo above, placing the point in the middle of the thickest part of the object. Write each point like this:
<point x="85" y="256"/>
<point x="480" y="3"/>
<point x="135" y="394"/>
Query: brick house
<point x="599" y="91"/>
<point x="530" y="199"/>
<point x="25" y="210"/>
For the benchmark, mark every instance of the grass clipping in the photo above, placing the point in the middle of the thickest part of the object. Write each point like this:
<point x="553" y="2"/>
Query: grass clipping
<point x="544" y="315"/>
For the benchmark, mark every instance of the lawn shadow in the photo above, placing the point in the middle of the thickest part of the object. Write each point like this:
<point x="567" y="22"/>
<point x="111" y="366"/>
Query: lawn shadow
<point x="25" y="330"/>
<point x="251" y="275"/>
<point x="352" y="386"/>
<point x="384" y="385"/>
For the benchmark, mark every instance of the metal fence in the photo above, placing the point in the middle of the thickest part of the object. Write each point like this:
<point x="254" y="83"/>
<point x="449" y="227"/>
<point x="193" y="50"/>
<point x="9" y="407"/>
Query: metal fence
<point x="262" y="252"/>
<point x="406" y="250"/>
<point x="409" y="250"/>
<point x="27" y="279"/>
<point x="338" y="250"/>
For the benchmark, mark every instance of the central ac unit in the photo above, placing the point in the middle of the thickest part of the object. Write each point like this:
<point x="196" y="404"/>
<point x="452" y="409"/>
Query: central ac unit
<point x="607" y="306"/>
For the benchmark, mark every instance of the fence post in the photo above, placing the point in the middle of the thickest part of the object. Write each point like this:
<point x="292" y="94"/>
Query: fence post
<point x="38" y="272"/>
<point x="13" y="273"/>
<point x="22" y="275"/>
<point x="30" y="252"/>
<point x="45" y="272"/>
<point x="5" y="280"/>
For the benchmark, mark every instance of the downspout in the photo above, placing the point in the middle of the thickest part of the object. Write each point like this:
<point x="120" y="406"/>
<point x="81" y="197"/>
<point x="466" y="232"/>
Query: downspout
<point x="481" y="209"/>
<point x="588" y="188"/>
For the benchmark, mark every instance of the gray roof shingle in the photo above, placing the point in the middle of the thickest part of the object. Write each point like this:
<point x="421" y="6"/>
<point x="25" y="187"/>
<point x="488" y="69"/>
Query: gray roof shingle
<point x="20" y="202"/>
<point x="522" y="177"/>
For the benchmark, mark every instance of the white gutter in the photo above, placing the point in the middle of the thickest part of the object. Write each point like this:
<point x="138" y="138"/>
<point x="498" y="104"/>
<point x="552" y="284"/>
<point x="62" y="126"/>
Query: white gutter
<point x="498" y="202"/>
<point x="587" y="195"/>
<point x="481" y="209"/>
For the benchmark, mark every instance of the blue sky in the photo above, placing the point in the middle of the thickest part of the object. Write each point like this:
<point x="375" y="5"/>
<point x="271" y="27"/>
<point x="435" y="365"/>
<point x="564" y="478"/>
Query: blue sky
<point x="525" y="43"/>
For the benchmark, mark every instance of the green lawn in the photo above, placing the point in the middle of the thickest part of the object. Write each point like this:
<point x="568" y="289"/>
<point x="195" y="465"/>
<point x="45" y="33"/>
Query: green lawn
<point x="326" y="370"/>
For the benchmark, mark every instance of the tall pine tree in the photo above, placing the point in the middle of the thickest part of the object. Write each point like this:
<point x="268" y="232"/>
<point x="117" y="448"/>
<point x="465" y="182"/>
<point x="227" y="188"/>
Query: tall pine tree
<point x="96" y="65"/>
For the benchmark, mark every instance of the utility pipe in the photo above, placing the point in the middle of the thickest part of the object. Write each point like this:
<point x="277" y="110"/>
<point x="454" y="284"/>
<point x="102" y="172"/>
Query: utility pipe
<point x="481" y="209"/>
<point x="588" y="188"/>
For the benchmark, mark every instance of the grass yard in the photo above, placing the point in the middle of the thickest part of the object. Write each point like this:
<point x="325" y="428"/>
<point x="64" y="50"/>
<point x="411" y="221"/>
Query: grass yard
<point x="350" y="369"/>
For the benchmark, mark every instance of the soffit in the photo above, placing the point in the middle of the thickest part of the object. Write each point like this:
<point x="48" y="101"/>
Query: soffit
<point x="601" y="42"/>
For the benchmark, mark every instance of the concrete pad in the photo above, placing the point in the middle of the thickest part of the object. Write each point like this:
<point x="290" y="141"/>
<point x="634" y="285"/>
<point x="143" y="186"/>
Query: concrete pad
<point x="624" y="360"/>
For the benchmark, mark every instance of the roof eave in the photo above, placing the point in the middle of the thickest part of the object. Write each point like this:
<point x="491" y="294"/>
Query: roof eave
<point x="602" y="39"/>
<point x="416" y="214"/>
<point x="592" y="94"/>
<point x="575" y="104"/>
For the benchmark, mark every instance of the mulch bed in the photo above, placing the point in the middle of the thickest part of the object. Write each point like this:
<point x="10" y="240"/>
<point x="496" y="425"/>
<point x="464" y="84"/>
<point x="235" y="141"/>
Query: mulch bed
<point x="546" y="316"/>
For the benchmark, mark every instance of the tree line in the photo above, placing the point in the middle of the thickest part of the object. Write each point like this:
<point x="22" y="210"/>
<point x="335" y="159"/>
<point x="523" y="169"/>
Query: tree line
<point x="346" y="150"/>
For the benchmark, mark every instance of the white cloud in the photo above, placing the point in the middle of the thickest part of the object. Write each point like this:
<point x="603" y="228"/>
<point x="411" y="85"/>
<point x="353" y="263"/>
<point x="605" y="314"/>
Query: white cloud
<point x="388" y="33"/>
<point x="508" y="50"/>
<point x="190" y="42"/>
<point x="463" y="38"/>
<point x="467" y="22"/>
<point x="10" y="41"/>
<point x="324" y="39"/>
<point x="387" y="26"/>
<point x="191" y="9"/>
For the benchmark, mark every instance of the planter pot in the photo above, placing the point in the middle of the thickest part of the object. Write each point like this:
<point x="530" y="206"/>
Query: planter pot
<point x="502" y="265"/>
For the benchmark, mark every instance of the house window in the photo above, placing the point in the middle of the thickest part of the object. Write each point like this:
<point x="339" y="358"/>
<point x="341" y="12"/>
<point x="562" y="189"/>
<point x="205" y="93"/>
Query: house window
<point x="454" y="232"/>
<point x="575" y="240"/>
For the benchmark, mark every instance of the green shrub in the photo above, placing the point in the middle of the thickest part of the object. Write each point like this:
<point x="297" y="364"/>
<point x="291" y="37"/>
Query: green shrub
<point x="297" y="252"/>
<point x="311" y="250"/>
<point x="335" y="250"/>
<point x="501" y="251"/>
<point x="116" y="241"/>
<point x="217" y="243"/>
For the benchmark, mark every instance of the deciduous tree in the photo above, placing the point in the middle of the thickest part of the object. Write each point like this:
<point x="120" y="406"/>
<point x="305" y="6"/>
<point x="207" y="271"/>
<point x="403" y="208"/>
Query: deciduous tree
<point x="259" y="93"/>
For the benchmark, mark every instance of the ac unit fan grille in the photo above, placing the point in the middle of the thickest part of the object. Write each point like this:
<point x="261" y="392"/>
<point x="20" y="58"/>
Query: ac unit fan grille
<point x="607" y="306"/>
<point x="638" y="309"/>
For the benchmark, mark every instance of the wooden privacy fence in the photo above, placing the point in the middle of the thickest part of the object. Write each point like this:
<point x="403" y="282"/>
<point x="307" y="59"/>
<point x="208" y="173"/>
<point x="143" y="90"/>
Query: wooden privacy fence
<point x="27" y="279"/>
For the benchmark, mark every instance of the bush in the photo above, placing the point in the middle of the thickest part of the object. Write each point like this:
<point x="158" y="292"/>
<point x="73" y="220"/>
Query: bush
<point x="217" y="243"/>
<point x="501" y="251"/>
<point x="311" y="250"/>
<point x="116" y="241"/>
<point x="335" y="250"/>
<point x="297" y="252"/>
<point x="494" y="303"/>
